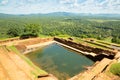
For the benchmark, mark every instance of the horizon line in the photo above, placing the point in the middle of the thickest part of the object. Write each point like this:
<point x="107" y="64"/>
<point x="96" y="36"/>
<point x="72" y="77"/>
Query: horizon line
<point x="55" y="12"/>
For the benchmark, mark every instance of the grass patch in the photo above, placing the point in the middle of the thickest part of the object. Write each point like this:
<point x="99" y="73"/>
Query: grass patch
<point x="37" y="71"/>
<point x="108" y="39"/>
<point x="65" y="36"/>
<point x="3" y="39"/>
<point x="115" y="69"/>
<point x="107" y="43"/>
<point x="44" y="36"/>
<point x="92" y="44"/>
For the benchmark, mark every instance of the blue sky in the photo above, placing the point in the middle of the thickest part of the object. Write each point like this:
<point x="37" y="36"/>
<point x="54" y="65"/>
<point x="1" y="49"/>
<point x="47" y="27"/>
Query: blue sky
<point x="48" y="6"/>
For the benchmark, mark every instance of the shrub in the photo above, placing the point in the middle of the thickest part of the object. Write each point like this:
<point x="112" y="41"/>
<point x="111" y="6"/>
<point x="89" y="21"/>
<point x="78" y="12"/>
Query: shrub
<point x="30" y="30"/>
<point x="14" y="31"/>
<point x="115" y="69"/>
<point x="28" y="35"/>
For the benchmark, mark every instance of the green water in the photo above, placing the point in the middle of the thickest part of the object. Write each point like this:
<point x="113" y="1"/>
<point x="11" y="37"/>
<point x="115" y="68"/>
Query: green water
<point x="60" y="61"/>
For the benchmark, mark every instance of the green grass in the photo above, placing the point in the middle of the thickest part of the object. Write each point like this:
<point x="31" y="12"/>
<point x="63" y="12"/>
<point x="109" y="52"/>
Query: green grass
<point x="105" y="46"/>
<point x="79" y="40"/>
<point x="37" y="71"/>
<point x="108" y="43"/>
<point x="115" y="69"/>
<point x="44" y="36"/>
<point x="108" y="39"/>
<point x="95" y="44"/>
<point x="63" y="36"/>
<point x="83" y="41"/>
<point x="3" y="39"/>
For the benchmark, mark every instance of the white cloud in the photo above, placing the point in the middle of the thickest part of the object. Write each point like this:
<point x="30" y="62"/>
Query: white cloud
<point x="4" y="2"/>
<point x="66" y="1"/>
<point x="75" y="3"/>
<point x="69" y="3"/>
<point x="44" y="6"/>
<point x="93" y="6"/>
<point x="31" y="0"/>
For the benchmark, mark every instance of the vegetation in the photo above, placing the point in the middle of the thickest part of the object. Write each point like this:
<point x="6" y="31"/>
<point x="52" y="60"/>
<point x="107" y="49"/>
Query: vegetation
<point x="14" y="31"/>
<point x="37" y="70"/>
<point x="116" y="40"/>
<point x="115" y="68"/>
<point x="54" y="25"/>
<point x="30" y="30"/>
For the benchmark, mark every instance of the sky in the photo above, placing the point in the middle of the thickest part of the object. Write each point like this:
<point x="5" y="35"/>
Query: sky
<point x="48" y="6"/>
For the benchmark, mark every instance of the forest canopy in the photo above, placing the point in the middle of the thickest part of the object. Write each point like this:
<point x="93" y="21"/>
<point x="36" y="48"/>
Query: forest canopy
<point x="49" y="25"/>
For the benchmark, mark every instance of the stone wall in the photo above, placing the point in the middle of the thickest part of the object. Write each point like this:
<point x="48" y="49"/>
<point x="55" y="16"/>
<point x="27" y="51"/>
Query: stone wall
<point x="8" y="40"/>
<point x="100" y="52"/>
<point x="22" y="46"/>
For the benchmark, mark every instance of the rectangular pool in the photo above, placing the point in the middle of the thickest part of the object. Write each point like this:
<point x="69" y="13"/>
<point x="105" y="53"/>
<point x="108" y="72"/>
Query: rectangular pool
<point x="60" y="61"/>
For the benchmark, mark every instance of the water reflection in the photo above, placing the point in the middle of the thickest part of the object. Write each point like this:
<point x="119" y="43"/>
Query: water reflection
<point x="61" y="62"/>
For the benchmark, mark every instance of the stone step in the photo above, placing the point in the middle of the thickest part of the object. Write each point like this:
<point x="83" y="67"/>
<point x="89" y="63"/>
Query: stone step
<point x="90" y="74"/>
<point x="3" y="74"/>
<point x="14" y="72"/>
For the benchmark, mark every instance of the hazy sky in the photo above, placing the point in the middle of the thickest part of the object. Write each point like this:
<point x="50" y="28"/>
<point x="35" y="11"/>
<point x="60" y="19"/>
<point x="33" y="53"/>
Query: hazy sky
<point x="47" y="6"/>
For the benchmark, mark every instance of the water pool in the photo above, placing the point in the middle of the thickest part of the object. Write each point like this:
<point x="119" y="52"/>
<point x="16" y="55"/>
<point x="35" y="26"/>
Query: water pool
<point x="60" y="61"/>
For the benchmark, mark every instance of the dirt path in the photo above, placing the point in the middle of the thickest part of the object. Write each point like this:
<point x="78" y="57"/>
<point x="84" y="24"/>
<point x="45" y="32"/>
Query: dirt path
<point x="14" y="72"/>
<point x="14" y="67"/>
<point x="21" y="64"/>
<point x="3" y="74"/>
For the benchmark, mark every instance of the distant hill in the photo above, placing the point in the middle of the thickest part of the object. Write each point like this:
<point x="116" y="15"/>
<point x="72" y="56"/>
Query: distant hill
<point x="63" y="14"/>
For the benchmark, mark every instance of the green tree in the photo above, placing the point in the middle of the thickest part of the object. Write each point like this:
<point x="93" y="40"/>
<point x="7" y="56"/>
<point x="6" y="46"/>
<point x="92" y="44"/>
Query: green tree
<point x="14" y="31"/>
<point x="31" y="30"/>
<point x="54" y="33"/>
<point x="116" y="40"/>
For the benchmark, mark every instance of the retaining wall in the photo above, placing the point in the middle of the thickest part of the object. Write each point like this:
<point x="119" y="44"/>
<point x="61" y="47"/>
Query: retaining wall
<point x="100" y="52"/>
